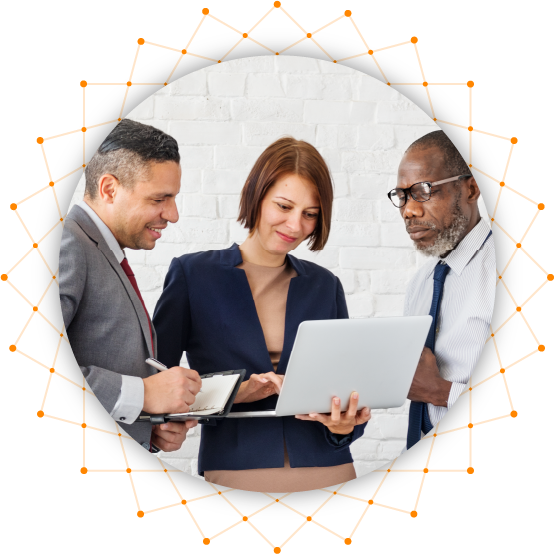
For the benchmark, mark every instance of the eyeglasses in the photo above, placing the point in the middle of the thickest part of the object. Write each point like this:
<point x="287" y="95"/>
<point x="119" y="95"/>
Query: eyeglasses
<point x="420" y="192"/>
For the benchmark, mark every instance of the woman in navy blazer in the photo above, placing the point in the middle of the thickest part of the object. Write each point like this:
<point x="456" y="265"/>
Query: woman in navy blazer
<point x="207" y="310"/>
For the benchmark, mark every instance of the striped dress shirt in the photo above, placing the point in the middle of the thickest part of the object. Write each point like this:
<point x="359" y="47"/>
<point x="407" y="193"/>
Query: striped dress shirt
<point x="465" y="312"/>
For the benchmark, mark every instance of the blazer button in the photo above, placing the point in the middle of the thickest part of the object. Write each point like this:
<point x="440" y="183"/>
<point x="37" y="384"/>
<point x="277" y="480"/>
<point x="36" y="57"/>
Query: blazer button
<point x="146" y="445"/>
<point x="121" y="419"/>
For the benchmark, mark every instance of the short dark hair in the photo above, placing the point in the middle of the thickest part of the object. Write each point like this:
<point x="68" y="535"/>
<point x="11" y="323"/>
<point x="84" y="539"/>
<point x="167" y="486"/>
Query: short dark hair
<point x="288" y="156"/>
<point x="453" y="160"/>
<point x="127" y="152"/>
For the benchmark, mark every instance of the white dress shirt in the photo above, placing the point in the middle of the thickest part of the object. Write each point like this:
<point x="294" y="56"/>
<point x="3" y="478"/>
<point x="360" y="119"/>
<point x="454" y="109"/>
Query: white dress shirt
<point x="465" y="312"/>
<point x="131" y="396"/>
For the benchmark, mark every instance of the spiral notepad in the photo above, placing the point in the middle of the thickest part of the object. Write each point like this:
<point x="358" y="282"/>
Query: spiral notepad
<point x="216" y="391"/>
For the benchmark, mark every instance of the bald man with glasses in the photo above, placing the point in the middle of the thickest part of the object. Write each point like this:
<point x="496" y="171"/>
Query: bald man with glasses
<point x="437" y="198"/>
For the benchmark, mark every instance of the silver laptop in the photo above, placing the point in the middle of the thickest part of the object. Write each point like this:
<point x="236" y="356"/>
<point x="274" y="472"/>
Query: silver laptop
<point x="375" y="357"/>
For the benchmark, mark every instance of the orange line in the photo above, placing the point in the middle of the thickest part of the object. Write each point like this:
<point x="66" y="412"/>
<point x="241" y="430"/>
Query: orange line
<point x="497" y="201"/>
<point x="202" y="497"/>
<point x="55" y="225"/>
<point x="297" y="42"/>
<point x="489" y="420"/>
<point x="163" y="508"/>
<point x="109" y="84"/>
<point x="151" y="44"/>
<point x="23" y="330"/>
<point x="30" y="358"/>
<point x="140" y="42"/>
<point x="382" y="481"/>
<point x="32" y="248"/>
<point x="359" y="521"/>
<point x="519" y="193"/>
<point x="247" y="34"/>
<point x="185" y="49"/>
<point x="370" y="51"/>
<point x="34" y="193"/>
<point x="330" y="496"/>
<point x="290" y="508"/>
<point x="485" y="174"/>
<point x="521" y="359"/>
<point x="352" y="57"/>
<point x="470" y="125"/>
<point x="225" y="530"/>
<point x="41" y="409"/>
<point x="16" y="290"/>
<point x="59" y="211"/>
<point x="534" y="293"/>
<point x="426" y="467"/>
<point x="262" y="509"/>
<point x="84" y="107"/>
<point x="428" y="83"/>
<point x="508" y="162"/>
<point x="199" y="56"/>
<point x="326" y="529"/>
<point x="115" y="120"/>
<point x="470" y="418"/>
<point x="483" y="381"/>
<point x="446" y="432"/>
<point x="439" y="120"/>
<point x="84" y="155"/>
<point x="78" y="424"/>
<point x="529" y="256"/>
<point x="297" y="24"/>
<point x="195" y="522"/>
<point x="391" y="508"/>
<point x="84" y="464"/>
<point x="424" y="80"/>
<point x="283" y="544"/>
<point x="33" y="242"/>
<point x="128" y="468"/>
<point x="490" y="134"/>
<point x="518" y="246"/>
<point x="321" y="48"/>
<point x="74" y="171"/>
<point x="509" y="397"/>
<point x="393" y="46"/>
<point x="506" y="233"/>
<point x="240" y="33"/>
<point x="529" y="327"/>
<point x="513" y="300"/>
<point x="245" y="518"/>
<point x="63" y="135"/>
<point x="325" y="26"/>
<point x="351" y="497"/>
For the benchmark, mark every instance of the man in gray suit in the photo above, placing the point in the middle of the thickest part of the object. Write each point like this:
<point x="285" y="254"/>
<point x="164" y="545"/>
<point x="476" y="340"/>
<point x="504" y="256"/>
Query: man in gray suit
<point x="131" y="185"/>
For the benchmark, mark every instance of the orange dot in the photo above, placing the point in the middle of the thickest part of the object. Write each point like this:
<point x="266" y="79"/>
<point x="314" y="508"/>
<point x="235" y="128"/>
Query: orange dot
<point x="83" y="84"/>
<point x="276" y="500"/>
<point x="13" y="348"/>
<point x="277" y="550"/>
<point x="119" y="434"/>
<point x="35" y="245"/>
<point x="84" y="470"/>
<point x="370" y="52"/>
<point x="309" y="518"/>
<point x="53" y="277"/>
<point x="84" y="129"/>
<point x="86" y="389"/>
<point x="128" y="470"/>
<point x="206" y="11"/>
<point x="40" y="140"/>
<point x="513" y="414"/>
<point x="550" y="277"/>
<point x="165" y="470"/>
<point x="335" y="492"/>
<point x="40" y="413"/>
<point x="470" y="470"/>
<point x="309" y="35"/>
<point x="4" y="277"/>
<point x="470" y="425"/>
<point x="61" y="218"/>
<point x="492" y="334"/>
<point x="470" y="388"/>
<point x="183" y="502"/>
<point x="165" y="84"/>
<point x="470" y="165"/>
<point x="347" y="541"/>
<point x="85" y="164"/>
<point x="52" y="370"/>
<point x="518" y="245"/>
<point x="388" y="84"/>
<point x="541" y="348"/>
<point x="84" y="425"/>
<point x="518" y="309"/>
<point x="129" y="83"/>
<point x="218" y="61"/>
<point x="413" y="514"/>
<point x="502" y="183"/>
<point x="13" y="206"/>
<point x="183" y="51"/>
<point x="51" y="183"/>
<point x="140" y="41"/>
<point x="502" y="370"/>
<point x="244" y="35"/>
<point x="206" y="540"/>
<point x="277" y="4"/>
<point x="334" y="61"/>
<point x="140" y="513"/>
<point x="470" y="128"/>
<point x="500" y="276"/>
<point x="470" y="84"/>
<point x="425" y="470"/>
<point x="434" y="119"/>
<point x="513" y="140"/>
<point x="370" y="502"/>
<point x="244" y="518"/>
<point x="425" y="83"/>
<point x="434" y="434"/>
<point x="414" y="40"/>
<point x="219" y="492"/>
<point x="119" y="119"/>
<point x="540" y="206"/>
<point x="388" y="470"/>
<point x="348" y="13"/>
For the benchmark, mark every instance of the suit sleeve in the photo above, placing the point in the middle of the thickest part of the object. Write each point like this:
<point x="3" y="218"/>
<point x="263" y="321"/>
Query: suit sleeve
<point x="340" y="442"/>
<point x="108" y="386"/>
<point x="172" y="318"/>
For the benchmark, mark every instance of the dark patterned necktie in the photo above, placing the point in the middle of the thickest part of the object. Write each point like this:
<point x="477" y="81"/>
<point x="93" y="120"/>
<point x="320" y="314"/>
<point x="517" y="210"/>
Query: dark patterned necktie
<point x="131" y="276"/>
<point x="419" y="414"/>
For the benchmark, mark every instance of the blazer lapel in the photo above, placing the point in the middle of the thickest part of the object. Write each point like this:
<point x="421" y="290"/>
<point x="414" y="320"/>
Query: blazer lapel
<point x="249" y="320"/>
<point x="298" y="309"/>
<point x="88" y="226"/>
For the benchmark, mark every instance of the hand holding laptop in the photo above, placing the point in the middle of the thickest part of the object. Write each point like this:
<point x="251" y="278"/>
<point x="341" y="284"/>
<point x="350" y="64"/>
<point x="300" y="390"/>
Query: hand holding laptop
<point x="259" y="386"/>
<point x="341" y="423"/>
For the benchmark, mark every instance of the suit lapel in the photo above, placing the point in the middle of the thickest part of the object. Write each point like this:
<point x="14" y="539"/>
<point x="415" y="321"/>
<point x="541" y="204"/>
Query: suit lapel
<point x="243" y="303"/>
<point x="89" y="227"/>
<point x="297" y="303"/>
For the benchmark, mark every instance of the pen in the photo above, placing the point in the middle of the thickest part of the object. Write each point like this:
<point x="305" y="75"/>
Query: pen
<point x="158" y="365"/>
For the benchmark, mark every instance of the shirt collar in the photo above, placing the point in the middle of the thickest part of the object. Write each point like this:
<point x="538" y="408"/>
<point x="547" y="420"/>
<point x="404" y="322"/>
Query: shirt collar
<point x="462" y="254"/>
<point x="107" y="235"/>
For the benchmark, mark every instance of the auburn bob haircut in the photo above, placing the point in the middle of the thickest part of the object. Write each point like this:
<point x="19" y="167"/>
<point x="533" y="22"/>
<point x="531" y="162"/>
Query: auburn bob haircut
<point x="288" y="156"/>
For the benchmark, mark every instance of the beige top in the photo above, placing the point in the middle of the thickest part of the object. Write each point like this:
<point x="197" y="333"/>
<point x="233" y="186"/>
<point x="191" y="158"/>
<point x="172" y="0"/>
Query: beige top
<point x="270" y="286"/>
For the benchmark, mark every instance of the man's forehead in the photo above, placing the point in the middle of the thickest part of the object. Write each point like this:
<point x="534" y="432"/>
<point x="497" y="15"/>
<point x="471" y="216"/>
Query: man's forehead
<point x="421" y="164"/>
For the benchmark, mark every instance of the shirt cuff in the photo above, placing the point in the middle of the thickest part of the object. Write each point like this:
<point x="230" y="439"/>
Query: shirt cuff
<point x="455" y="391"/>
<point x="130" y="401"/>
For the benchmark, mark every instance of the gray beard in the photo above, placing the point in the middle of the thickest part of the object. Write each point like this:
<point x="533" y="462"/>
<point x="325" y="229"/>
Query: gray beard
<point x="448" y="238"/>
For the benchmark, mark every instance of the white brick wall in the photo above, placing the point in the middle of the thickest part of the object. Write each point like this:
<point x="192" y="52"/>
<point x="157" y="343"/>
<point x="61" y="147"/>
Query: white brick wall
<point x="223" y="117"/>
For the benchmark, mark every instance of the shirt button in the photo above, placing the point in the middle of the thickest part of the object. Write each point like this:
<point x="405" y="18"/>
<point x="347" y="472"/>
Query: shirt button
<point x="146" y="445"/>
<point x="121" y="419"/>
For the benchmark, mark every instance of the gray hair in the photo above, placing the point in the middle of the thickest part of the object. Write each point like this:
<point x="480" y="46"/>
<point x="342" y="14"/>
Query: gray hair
<point x="127" y="153"/>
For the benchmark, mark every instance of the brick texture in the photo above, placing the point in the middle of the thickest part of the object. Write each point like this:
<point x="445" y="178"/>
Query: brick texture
<point x="223" y="117"/>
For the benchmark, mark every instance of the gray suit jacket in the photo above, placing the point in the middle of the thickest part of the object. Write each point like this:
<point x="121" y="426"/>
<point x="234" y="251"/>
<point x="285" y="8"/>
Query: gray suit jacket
<point x="104" y="318"/>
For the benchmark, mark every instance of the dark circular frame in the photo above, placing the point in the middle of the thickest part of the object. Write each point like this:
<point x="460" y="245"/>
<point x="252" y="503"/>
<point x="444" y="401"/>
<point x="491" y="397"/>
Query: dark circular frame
<point x="363" y="487"/>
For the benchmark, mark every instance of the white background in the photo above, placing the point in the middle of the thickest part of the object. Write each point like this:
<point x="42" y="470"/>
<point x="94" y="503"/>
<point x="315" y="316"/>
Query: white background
<point x="502" y="46"/>
<point x="223" y="117"/>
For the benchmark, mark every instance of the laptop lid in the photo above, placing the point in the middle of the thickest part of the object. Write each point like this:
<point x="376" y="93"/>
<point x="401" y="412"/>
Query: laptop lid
<point x="375" y="357"/>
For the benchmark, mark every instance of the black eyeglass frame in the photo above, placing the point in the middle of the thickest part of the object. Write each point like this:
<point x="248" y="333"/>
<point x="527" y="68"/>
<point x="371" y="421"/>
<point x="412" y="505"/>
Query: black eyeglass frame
<point x="408" y="191"/>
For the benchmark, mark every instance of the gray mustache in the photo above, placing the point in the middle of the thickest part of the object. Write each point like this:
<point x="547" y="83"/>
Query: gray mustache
<point x="412" y="223"/>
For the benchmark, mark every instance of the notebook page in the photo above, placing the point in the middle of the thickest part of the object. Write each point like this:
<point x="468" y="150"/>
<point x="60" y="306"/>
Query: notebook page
<point x="216" y="391"/>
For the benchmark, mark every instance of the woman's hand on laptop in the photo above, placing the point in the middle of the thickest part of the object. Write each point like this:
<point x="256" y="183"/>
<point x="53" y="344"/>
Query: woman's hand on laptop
<point x="259" y="386"/>
<point x="341" y="423"/>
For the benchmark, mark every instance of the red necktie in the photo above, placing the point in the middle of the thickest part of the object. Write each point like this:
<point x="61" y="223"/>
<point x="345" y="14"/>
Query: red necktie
<point x="131" y="276"/>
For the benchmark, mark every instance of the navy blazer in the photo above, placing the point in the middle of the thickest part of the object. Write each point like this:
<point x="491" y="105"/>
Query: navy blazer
<point x="207" y="310"/>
